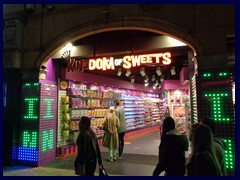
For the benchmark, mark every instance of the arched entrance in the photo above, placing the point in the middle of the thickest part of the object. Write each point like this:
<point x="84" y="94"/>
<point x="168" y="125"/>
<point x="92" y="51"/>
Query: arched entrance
<point x="108" y="31"/>
<point x="143" y="24"/>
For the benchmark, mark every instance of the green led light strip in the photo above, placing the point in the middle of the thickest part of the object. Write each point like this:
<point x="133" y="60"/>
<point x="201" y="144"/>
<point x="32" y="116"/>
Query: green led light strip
<point x="29" y="139"/>
<point x="31" y="108"/>
<point x="207" y="75"/>
<point x="49" y="108"/>
<point x="223" y="74"/>
<point x="217" y="106"/>
<point x="34" y="84"/>
<point x="229" y="154"/>
<point x="47" y="140"/>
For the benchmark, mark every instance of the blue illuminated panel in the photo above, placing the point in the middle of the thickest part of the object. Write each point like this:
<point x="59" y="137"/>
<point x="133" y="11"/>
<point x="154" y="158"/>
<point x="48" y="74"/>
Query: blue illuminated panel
<point x="28" y="154"/>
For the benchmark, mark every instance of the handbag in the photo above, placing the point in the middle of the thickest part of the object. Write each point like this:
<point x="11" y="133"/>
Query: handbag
<point x="105" y="125"/>
<point x="102" y="171"/>
<point x="105" y="139"/>
<point x="80" y="169"/>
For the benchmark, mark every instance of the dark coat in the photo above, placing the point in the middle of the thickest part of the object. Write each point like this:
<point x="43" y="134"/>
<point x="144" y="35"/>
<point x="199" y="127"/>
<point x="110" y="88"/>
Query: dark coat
<point x="88" y="148"/>
<point x="172" y="154"/>
<point x="202" y="164"/>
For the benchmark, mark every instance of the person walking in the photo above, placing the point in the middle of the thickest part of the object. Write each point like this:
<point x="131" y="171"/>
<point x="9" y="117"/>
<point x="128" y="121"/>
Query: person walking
<point x="203" y="160"/>
<point x="171" y="150"/>
<point x="112" y="124"/>
<point x="120" y="112"/>
<point x="88" y="148"/>
<point x="220" y="145"/>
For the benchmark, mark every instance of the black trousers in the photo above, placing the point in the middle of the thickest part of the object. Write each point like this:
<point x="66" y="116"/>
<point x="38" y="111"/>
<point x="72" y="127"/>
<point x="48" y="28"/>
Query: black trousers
<point x="121" y="142"/>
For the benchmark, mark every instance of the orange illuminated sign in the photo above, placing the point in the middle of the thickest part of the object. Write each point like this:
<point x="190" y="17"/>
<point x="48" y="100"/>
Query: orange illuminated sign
<point x="127" y="62"/>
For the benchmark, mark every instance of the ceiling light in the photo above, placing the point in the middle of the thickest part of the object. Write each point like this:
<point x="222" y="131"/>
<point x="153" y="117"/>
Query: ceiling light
<point x="156" y="82"/>
<point x="153" y="77"/>
<point x="132" y="79"/>
<point x="119" y="72"/>
<point x="128" y="73"/>
<point x="146" y="84"/>
<point x="173" y="72"/>
<point x="161" y="78"/>
<point x="154" y="87"/>
<point x="142" y="71"/>
<point x="158" y="71"/>
<point x="146" y="78"/>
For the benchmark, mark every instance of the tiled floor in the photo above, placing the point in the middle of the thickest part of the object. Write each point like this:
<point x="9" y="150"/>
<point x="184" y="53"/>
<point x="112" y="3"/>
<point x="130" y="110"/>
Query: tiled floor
<point x="139" y="159"/>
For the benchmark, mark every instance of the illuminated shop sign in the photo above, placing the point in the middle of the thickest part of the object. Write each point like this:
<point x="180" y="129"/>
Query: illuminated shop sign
<point x="127" y="62"/>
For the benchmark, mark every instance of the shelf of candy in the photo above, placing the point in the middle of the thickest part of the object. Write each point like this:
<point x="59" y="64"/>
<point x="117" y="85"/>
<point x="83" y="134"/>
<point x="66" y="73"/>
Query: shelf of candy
<point x="78" y="103"/>
<point x="162" y="105"/>
<point x="117" y="95"/>
<point x="181" y="124"/>
<point x="147" y="112"/>
<point x="134" y="111"/>
<point x="73" y="137"/>
<point x="99" y="113"/>
<point x="97" y="126"/>
<point x="155" y="113"/>
<point x="85" y="93"/>
<point x="147" y="118"/>
<point x="65" y="117"/>
<point x="134" y="122"/>
<point x="179" y="115"/>
<point x="130" y="124"/>
<point x="76" y="92"/>
<point x="77" y="114"/>
<point x="74" y="125"/>
<point x="134" y="105"/>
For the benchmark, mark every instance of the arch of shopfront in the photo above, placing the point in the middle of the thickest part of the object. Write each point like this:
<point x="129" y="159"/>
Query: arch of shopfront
<point x="143" y="24"/>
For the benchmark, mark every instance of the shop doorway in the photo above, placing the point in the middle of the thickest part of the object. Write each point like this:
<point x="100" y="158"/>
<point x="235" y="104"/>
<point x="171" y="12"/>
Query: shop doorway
<point x="155" y="87"/>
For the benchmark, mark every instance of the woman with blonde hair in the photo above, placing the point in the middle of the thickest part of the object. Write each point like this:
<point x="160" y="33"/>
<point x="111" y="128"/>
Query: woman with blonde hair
<point x="203" y="160"/>
<point x="111" y="125"/>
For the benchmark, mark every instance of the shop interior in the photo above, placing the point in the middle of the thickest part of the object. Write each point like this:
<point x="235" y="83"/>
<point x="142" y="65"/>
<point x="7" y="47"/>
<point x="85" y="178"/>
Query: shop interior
<point x="150" y="90"/>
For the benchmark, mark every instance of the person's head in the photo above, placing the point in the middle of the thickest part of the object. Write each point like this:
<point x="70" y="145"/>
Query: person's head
<point x="202" y="140"/>
<point x="201" y="137"/>
<point x="85" y="123"/>
<point x="168" y="125"/>
<point x="209" y="122"/>
<point x="116" y="102"/>
<point x="111" y="109"/>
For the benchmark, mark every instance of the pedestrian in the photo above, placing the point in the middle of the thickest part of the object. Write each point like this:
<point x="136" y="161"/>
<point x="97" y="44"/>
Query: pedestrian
<point x="171" y="150"/>
<point x="88" y="148"/>
<point x="203" y="160"/>
<point x="220" y="145"/>
<point x="120" y="112"/>
<point x="112" y="125"/>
